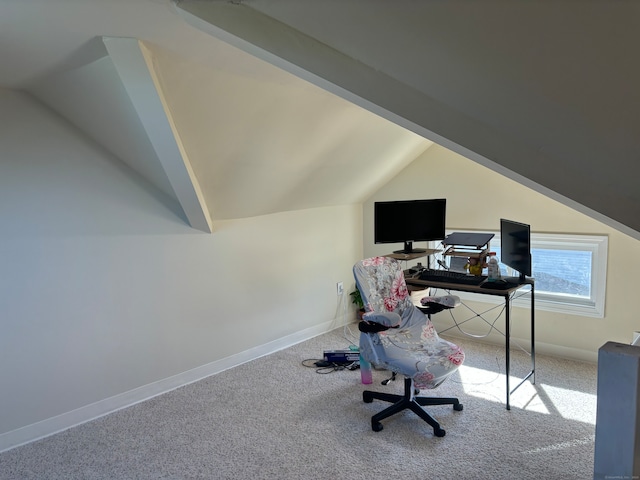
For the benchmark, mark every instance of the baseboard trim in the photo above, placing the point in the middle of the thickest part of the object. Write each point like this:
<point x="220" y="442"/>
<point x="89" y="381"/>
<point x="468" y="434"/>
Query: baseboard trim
<point x="59" y="423"/>
<point x="550" y="349"/>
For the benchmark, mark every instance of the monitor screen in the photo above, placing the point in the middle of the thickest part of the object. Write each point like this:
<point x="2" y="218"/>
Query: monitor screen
<point x="515" y="246"/>
<point x="407" y="221"/>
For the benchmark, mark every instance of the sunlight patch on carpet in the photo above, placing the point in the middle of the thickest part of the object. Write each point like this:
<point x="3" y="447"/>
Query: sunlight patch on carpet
<point x="542" y="398"/>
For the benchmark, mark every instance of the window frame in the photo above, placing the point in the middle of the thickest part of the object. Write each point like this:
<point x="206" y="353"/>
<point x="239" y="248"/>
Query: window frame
<point x="594" y="306"/>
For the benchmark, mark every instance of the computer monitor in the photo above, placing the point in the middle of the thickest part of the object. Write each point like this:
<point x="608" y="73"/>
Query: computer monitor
<point x="408" y="221"/>
<point x="515" y="246"/>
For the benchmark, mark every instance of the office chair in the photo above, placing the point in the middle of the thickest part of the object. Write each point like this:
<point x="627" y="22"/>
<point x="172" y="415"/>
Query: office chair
<point x="397" y="336"/>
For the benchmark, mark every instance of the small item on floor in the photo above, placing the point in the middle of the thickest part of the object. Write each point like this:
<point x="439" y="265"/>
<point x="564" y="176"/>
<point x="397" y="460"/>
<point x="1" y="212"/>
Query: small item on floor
<point x="353" y="366"/>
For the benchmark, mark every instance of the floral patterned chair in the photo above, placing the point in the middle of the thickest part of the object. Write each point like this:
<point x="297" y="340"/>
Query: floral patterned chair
<point x="399" y="337"/>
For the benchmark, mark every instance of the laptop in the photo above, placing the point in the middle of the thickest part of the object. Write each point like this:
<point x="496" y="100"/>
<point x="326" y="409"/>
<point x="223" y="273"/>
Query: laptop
<point x="456" y="264"/>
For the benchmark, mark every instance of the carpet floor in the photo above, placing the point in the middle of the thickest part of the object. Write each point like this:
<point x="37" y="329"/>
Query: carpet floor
<point x="278" y="418"/>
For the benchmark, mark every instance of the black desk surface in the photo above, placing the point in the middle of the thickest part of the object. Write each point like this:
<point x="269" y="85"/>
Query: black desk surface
<point x="413" y="279"/>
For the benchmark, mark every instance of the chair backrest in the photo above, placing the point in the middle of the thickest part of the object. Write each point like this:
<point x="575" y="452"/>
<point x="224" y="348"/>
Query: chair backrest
<point x="382" y="285"/>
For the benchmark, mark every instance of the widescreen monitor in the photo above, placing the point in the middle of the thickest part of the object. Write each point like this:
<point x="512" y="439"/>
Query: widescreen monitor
<point x="408" y="221"/>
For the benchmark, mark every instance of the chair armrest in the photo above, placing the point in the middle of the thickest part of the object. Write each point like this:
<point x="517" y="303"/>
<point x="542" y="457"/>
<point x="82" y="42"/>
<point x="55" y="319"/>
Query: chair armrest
<point x="367" y="327"/>
<point x="373" y="322"/>
<point x="388" y="319"/>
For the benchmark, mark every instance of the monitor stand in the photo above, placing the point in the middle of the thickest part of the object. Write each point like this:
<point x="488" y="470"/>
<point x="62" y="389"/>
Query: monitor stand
<point x="408" y="249"/>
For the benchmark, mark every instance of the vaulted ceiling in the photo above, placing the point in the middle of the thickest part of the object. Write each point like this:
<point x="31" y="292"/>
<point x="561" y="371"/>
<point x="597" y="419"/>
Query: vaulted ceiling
<point x="248" y="107"/>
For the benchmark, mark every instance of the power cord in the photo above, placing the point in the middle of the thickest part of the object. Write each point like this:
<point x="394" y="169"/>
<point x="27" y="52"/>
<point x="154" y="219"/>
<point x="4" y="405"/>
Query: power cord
<point x="323" y="367"/>
<point x="349" y="337"/>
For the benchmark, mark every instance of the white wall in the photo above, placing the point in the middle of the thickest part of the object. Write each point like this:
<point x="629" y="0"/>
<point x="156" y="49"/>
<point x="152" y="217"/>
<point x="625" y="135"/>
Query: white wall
<point x="104" y="289"/>
<point x="107" y="296"/>
<point x="476" y="199"/>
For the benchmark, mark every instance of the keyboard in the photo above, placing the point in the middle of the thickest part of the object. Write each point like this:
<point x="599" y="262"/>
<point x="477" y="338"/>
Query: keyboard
<point x="447" y="276"/>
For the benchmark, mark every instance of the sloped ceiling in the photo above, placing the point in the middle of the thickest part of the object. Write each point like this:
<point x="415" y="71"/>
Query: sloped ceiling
<point x="264" y="145"/>
<point x="174" y="103"/>
<point x="544" y="92"/>
<point x="278" y="105"/>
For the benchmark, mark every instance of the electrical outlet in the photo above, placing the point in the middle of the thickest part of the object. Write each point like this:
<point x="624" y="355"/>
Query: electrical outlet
<point x="340" y="288"/>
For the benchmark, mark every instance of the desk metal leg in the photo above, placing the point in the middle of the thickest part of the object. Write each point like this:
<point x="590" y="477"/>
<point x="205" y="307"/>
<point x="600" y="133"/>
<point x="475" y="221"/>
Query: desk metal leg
<point x="507" y="336"/>
<point x="533" y="334"/>
<point x="532" y="373"/>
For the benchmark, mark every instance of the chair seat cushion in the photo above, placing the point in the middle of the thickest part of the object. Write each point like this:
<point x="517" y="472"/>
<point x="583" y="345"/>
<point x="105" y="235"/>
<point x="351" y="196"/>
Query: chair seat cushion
<point x="416" y="351"/>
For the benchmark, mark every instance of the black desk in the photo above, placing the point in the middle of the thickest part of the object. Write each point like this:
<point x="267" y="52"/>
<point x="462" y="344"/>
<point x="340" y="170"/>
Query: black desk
<point x="507" y="295"/>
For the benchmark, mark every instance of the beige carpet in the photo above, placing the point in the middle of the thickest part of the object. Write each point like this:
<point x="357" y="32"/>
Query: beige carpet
<point x="275" y="418"/>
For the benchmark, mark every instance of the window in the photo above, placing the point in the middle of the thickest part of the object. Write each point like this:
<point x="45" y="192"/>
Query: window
<point x="570" y="272"/>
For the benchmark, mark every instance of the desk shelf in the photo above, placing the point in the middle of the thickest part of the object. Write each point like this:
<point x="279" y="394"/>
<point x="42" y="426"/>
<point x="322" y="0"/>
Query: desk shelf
<point x="458" y="251"/>
<point x="413" y="256"/>
<point x="468" y="245"/>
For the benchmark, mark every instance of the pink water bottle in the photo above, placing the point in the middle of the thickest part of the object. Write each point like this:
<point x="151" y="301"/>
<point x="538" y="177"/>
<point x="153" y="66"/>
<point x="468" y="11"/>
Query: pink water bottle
<point x="365" y="371"/>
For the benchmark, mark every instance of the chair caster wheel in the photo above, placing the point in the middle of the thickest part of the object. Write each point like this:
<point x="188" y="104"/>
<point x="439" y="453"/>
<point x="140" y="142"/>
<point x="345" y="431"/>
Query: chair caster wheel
<point x="439" y="432"/>
<point x="377" y="426"/>
<point x="458" y="407"/>
<point x="366" y="397"/>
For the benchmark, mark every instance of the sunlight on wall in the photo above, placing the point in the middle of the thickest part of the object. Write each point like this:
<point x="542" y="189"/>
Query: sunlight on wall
<point x="541" y="398"/>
